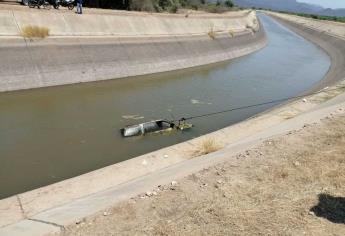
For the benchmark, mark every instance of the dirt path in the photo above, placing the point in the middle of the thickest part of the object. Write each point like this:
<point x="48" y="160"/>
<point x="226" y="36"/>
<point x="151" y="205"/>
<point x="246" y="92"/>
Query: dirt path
<point x="287" y="186"/>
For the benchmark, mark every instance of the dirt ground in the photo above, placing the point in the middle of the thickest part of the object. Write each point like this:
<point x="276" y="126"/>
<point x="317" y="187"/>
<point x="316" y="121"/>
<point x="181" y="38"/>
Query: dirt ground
<point x="290" y="185"/>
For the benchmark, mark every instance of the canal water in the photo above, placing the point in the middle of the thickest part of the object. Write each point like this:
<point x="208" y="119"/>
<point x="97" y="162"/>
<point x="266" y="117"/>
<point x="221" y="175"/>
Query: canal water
<point x="50" y="134"/>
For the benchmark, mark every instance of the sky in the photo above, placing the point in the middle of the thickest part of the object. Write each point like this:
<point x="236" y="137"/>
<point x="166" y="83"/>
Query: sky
<point x="327" y="3"/>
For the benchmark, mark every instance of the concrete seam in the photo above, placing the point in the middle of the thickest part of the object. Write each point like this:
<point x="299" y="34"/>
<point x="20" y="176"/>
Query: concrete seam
<point x="15" y="20"/>
<point x="48" y="223"/>
<point x="67" y="26"/>
<point x="21" y="206"/>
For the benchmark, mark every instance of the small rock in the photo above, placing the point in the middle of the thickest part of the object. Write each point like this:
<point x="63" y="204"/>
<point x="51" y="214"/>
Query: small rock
<point x="144" y="162"/>
<point x="154" y="193"/>
<point x="165" y="188"/>
<point x="166" y="156"/>
<point x="77" y="222"/>
<point x="304" y="100"/>
<point x="149" y="194"/>
<point x="105" y="213"/>
<point x="173" y="183"/>
<point x="324" y="189"/>
<point x="219" y="181"/>
<point x="296" y="163"/>
<point x="311" y="213"/>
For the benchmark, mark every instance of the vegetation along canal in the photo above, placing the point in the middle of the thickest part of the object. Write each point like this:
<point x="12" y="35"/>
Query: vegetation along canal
<point x="50" y="134"/>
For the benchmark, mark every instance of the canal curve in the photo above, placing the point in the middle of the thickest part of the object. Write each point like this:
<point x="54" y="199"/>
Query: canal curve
<point x="50" y="134"/>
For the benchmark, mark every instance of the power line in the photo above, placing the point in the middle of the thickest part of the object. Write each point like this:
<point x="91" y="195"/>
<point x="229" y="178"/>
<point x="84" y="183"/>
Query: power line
<point x="258" y="104"/>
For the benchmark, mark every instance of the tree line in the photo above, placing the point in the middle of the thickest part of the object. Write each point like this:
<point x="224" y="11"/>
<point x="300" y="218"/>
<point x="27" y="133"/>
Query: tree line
<point x="161" y="5"/>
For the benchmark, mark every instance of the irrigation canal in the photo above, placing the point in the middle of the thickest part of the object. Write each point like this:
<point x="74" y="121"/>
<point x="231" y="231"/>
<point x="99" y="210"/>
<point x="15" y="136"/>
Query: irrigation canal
<point x="50" y="134"/>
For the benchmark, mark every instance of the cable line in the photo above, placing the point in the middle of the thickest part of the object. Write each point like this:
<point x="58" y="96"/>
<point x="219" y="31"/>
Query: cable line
<point x="258" y="104"/>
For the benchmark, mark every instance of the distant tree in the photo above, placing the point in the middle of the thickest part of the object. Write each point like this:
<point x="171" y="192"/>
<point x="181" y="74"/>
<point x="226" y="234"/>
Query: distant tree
<point x="229" y="3"/>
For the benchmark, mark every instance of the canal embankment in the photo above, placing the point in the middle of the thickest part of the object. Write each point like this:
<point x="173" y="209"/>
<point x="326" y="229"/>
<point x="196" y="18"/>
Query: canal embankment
<point x="63" y="203"/>
<point x="327" y="35"/>
<point x="93" y="47"/>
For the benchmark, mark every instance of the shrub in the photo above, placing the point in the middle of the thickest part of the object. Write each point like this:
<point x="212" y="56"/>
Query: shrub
<point x="211" y="33"/>
<point x="35" y="32"/>
<point x="208" y="146"/>
<point x="173" y="8"/>
<point x="214" y="8"/>
<point x="142" y="5"/>
<point x="229" y="3"/>
<point x="231" y="33"/>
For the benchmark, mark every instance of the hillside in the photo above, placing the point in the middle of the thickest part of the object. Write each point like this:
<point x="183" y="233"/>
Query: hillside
<point x="291" y="6"/>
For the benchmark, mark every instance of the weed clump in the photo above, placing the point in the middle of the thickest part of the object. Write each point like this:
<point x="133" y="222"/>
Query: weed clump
<point x="212" y="33"/>
<point x="231" y="33"/>
<point x="207" y="146"/>
<point x="32" y="31"/>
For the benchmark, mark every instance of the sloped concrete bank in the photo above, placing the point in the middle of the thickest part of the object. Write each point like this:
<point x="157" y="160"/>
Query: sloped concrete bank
<point x="50" y="208"/>
<point x="329" y="36"/>
<point x="127" y="47"/>
<point x="124" y="24"/>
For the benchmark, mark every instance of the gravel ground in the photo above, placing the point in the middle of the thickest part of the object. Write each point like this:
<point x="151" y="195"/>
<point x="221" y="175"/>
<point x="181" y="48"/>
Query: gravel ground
<point x="290" y="185"/>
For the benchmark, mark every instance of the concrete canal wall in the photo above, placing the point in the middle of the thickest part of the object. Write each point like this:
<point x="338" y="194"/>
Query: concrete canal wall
<point x="99" y="47"/>
<point x="50" y="208"/>
<point x="330" y="36"/>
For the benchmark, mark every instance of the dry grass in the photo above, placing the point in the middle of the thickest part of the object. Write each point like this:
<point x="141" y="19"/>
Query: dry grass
<point x="207" y="146"/>
<point x="231" y="33"/>
<point x="32" y="31"/>
<point x="212" y="33"/>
